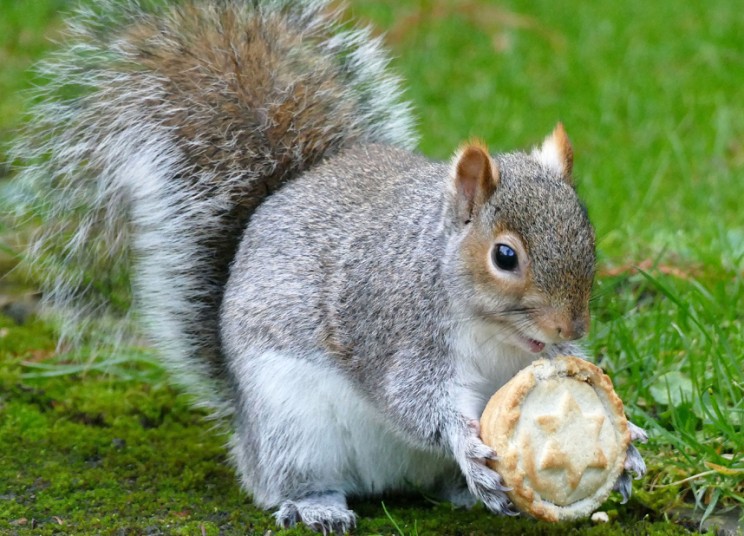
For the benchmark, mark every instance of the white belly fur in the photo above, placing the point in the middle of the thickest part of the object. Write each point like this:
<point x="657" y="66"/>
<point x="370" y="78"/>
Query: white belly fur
<point x="334" y="433"/>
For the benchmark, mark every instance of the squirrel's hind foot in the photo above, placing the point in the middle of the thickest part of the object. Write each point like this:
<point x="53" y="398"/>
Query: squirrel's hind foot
<point x="454" y="490"/>
<point x="326" y="513"/>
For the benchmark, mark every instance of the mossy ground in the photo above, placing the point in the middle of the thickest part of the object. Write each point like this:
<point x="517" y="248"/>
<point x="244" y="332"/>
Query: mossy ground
<point x="96" y="454"/>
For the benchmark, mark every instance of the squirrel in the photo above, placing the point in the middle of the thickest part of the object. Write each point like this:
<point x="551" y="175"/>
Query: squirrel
<point x="347" y="305"/>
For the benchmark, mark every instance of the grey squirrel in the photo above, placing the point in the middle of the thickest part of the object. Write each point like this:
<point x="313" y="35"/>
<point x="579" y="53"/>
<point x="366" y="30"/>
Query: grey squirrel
<point x="347" y="305"/>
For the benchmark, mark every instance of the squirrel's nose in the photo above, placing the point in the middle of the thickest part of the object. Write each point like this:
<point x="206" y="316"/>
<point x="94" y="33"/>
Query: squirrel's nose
<point x="570" y="329"/>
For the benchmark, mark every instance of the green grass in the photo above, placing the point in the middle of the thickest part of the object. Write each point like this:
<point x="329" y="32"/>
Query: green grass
<point x="25" y="29"/>
<point x="651" y="94"/>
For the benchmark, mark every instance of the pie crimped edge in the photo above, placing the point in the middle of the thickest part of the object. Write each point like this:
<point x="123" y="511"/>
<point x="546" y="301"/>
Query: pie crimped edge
<point x="510" y="432"/>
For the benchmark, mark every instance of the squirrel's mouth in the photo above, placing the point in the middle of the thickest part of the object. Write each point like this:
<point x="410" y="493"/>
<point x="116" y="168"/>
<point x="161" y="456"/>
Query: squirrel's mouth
<point x="531" y="345"/>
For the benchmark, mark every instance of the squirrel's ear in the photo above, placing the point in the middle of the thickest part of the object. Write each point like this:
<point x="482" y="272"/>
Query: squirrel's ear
<point x="556" y="153"/>
<point x="475" y="177"/>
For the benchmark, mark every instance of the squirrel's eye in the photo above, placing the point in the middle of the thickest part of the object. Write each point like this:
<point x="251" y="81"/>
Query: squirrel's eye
<point x="505" y="257"/>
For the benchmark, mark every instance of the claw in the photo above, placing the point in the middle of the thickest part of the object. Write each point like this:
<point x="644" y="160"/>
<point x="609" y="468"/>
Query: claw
<point x="325" y="513"/>
<point x="637" y="433"/>
<point x="501" y="487"/>
<point x="479" y="451"/>
<point x="634" y="462"/>
<point x="624" y="486"/>
<point x="492" y="456"/>
<point x="498" y="504"/>
<point x="484" y="483"/>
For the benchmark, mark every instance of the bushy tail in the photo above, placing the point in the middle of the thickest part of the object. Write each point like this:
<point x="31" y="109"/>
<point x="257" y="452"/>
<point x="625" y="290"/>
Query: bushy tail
<point x="161" y="130"/>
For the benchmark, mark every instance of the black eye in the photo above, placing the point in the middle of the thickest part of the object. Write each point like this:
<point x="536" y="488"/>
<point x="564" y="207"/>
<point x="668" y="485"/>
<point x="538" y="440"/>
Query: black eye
<point x="505" y="257"/>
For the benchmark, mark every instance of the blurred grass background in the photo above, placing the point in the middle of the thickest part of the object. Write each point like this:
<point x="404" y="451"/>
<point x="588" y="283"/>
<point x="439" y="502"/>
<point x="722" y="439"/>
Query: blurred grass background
<point x="652" y="96"/>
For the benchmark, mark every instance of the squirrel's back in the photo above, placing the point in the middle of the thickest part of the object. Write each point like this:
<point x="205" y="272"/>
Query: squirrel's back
<point x="331" y="251"/>
<point x="161" y="132"/>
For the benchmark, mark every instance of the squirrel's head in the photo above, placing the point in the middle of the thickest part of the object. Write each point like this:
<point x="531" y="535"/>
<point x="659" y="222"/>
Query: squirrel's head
<point x="526" y="256"/>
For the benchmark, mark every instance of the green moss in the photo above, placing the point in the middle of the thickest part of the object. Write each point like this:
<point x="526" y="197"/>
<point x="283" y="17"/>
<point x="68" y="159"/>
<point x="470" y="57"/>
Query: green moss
<point x="102" y="454"/>
<point x="94" y="453"/>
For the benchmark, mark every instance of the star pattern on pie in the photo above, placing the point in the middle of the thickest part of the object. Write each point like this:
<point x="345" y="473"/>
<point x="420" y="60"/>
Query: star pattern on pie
<point x="564" y="427"/>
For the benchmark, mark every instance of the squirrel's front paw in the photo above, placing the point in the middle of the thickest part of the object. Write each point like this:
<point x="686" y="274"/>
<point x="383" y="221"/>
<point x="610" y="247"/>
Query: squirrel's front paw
<point x="484" y="483"/>
<point x="634" y="464"/>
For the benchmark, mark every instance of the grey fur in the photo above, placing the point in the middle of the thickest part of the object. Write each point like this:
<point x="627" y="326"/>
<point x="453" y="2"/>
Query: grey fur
<point x="183" y="118"/>
<point x="624" y="486"/>
<point x="634" y="462"/>
<point x="326" y="513"/>
<point x="637" y="433"/>
<point x="355" y="267"/>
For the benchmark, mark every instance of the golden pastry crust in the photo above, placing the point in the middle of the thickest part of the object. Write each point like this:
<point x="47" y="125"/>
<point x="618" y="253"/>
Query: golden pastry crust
<point x="561" y="435"/>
